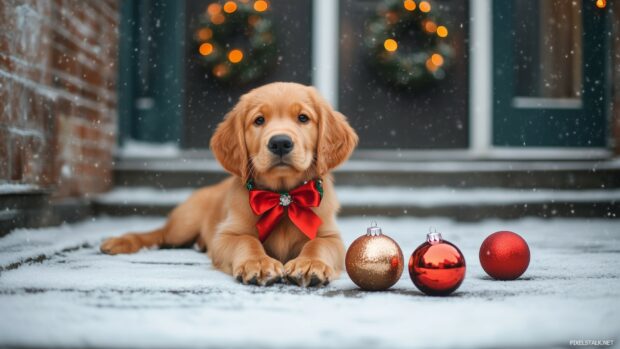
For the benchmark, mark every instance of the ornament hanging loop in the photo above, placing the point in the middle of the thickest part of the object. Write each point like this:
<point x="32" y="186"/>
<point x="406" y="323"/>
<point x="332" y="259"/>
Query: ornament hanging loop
<point x="373" y="230"/>
<point x="433" y="237"/>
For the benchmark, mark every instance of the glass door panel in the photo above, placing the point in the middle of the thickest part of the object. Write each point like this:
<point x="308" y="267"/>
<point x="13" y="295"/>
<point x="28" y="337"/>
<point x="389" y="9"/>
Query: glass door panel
<point x="549" y="73"/>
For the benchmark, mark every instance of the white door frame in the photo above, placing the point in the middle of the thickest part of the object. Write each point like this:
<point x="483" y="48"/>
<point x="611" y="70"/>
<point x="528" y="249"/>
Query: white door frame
<point x="325" y="49"/>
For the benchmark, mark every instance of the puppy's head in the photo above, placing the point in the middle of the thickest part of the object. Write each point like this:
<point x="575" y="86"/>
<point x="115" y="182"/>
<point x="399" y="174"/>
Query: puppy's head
<point x="282" y="131"/>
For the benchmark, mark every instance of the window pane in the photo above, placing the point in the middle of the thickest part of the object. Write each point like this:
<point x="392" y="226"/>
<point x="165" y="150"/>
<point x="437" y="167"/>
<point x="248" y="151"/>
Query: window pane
<point x="548" y="50"/>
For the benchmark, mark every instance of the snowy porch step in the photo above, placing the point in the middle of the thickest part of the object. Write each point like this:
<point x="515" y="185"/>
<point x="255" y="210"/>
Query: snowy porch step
<point x="27" y="206"/>
<point x="460" y="204"/>
<point x="200" y="170"/>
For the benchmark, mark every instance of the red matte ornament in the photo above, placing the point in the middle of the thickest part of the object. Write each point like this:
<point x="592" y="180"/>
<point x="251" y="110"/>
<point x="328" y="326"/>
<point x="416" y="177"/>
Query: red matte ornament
<point x="437" y="267"/>
<point x="504" y="255"/>
<point x="296" y="204"/>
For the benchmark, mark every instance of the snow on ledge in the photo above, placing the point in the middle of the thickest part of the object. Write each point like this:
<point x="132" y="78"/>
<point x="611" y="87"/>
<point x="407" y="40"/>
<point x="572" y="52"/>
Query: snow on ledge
<point x="388" y="196"/>
<point x="138" y="149"/>
<point x="14" y="188"/>
<point x="144" y="195"/>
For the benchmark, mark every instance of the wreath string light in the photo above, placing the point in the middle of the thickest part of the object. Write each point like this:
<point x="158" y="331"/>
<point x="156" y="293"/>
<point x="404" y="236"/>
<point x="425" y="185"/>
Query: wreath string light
<point x="408" y="44"/>
<point x="235" y="40"/>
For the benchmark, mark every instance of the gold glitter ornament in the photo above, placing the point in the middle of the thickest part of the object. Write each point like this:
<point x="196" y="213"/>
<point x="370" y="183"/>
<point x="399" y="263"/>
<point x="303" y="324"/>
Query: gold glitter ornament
<point x="374" y="261"/>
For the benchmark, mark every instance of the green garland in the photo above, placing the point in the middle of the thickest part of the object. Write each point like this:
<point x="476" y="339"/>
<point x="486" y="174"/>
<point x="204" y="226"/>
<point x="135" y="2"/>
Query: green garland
<point x="235" y="40"/>
<point x="407" y="44"/>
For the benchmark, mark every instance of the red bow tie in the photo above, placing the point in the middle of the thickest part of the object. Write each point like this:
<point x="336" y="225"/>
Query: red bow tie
<point x="296" y="203"/>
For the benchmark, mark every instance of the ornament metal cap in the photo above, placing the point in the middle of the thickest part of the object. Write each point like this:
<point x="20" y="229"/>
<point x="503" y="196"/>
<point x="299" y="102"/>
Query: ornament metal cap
<point x="373" y="230"/>
<point x="433" y="237"/>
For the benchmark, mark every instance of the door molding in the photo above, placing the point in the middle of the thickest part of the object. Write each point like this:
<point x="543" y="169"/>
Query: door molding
<point x="481" y="79"/>
<point x="325" y="48"/>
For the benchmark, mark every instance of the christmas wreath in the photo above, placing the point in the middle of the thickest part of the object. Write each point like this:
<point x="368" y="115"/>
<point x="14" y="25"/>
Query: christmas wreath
<point x="235" y="40"/>
<point x="407" y="44"/>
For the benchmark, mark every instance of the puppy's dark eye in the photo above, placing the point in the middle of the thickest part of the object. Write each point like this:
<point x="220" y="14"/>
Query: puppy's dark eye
<point x="259" y="121"/>
<point x="303" y="118"/>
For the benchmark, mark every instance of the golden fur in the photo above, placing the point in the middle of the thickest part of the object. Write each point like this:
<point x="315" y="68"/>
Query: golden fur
<point x="219" y="219"/>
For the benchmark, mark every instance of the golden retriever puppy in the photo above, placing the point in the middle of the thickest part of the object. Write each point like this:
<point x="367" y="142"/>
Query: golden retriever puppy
<point x="274" y="219"/>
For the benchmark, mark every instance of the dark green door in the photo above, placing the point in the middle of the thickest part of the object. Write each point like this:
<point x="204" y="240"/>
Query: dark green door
<point x="550" y="87"/>
<point x="151" y="65"/>
<point x="166" y="95"/>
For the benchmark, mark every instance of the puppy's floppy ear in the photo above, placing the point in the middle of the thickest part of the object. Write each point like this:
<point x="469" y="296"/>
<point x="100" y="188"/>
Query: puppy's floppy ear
<point x="228" y="142"/>
<point x="337" y="139"/>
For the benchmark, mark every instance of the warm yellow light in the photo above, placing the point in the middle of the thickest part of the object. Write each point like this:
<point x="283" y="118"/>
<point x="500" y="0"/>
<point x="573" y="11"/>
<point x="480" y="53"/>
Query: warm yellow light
<point x="601" y="3"/>
<point x="230" y="7"/>
<point x="235" y="56"/>
<point x="220" y="70"/>
<point x="218" y="19"/>
<point x="390" y="45"/>
<point x="425" y="6"/>
<point x="205" y="49"/>
<point x="430" y="26"/>
<point x="409" y="5"/>
<point x="204" y="34"/>
<point x="214" y="8"/>
<point x="442" y="31"/>
<point x="437" y="59"/>
<point x="430" y="65"/>
<point x="261" y="5"/>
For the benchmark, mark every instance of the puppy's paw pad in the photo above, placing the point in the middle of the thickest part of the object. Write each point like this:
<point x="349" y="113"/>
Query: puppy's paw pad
<point x="262" y="271"/>
<point x="307" y="272"/>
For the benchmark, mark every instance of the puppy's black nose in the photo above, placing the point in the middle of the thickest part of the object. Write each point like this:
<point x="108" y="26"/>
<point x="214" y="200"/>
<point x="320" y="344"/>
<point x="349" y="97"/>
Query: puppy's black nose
<point x="280" y="144"/>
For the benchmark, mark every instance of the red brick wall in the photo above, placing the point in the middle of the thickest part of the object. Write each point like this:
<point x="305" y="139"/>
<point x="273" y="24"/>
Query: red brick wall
<point x="58" y="70"/>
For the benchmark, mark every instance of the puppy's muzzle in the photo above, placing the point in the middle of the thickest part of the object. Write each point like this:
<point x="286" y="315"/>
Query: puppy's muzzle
<point x="280" y="145"/>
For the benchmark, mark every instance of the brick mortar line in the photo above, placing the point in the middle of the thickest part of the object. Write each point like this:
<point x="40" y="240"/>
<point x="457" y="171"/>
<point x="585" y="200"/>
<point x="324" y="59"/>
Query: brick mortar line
<point x="73" y="79"/>
<point x="106" y="10"/>
<point x="53" y="93"/>
<point x="55" y="27"/>
<point x="94" y="50"/>
<point x="24" y="132"/>
<point x="107" y="127"/>
<point x="90" y="145"/>
<point x="111" y="127"/>
<point x="89" y="10"/>
<point x="78" y="55"/>
<point x="83" y="27"/>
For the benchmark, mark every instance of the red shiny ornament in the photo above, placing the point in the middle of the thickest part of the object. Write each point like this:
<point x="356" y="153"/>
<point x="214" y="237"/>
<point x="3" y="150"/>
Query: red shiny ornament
<point x="437" y="267"/>
<point x="504" y="255"/>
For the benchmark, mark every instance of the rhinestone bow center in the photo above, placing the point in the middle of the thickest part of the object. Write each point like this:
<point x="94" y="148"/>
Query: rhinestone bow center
<point x="285" y="200"/>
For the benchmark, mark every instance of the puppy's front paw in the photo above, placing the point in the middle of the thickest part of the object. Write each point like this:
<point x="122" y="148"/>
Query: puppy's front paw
<point x="308" y="272"/>
<point x="122" y="244"/>
<point x="262" y="271"/>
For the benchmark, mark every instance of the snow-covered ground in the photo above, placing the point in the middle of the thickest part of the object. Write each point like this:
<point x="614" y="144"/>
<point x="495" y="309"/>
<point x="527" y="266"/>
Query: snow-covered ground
<point x="57" y="290"/>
